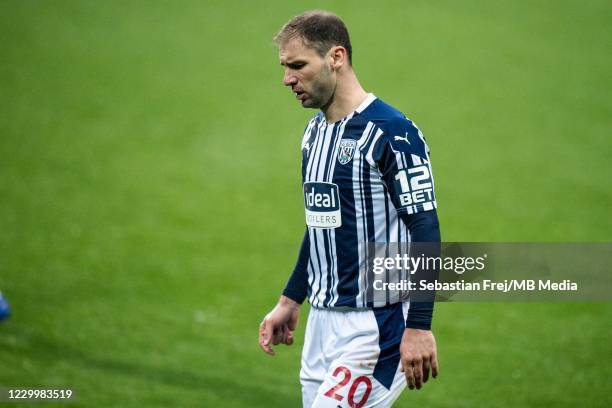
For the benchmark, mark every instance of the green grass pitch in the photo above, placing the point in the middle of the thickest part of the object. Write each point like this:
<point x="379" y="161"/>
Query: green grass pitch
<point x="150" y="207"/>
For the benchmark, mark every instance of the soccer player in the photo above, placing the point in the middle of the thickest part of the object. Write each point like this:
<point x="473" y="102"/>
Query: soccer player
<point x="367" y="179"/>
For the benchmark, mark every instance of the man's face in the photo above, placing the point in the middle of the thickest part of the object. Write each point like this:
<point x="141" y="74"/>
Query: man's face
<point x="309" y="75"/>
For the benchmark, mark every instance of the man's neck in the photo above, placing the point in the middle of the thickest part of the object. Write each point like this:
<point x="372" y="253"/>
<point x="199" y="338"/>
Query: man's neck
<point x="348" y="96"/>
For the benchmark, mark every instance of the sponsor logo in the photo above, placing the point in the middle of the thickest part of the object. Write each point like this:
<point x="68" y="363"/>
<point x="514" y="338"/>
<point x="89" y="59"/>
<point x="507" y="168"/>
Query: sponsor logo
<point x="402" y="139"/>
<point x="322" y="204"/>
<point x="414" y="186"/>
<point x="346" y="150"/>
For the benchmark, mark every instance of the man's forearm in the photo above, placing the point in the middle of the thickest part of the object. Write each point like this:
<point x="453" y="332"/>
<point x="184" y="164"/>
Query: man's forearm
<point x="297" y="285"/>
<point x="423" y="227"/>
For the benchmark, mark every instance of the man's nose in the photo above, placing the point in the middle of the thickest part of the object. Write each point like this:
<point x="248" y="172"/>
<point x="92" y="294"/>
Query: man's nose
<point x="289" y="79"/>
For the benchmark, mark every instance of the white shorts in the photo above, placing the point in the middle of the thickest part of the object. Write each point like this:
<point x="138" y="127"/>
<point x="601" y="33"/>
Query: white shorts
<point x="351" y="358"/>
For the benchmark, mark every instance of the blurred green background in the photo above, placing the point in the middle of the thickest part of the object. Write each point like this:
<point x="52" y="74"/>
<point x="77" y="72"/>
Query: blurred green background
<point x="150" y="205"/>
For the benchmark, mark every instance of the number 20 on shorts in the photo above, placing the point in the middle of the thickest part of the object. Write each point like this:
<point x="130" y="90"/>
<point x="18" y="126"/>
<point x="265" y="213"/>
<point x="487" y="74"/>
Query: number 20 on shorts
<point x="345" y="373"/>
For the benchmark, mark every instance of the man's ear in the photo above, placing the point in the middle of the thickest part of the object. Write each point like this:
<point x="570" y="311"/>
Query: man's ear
<point x="338" y="57"/>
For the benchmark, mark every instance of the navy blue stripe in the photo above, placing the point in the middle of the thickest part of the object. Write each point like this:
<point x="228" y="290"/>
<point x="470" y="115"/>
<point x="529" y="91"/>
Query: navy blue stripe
<point x="387" y="228"/>
<point x="390" y="322"/>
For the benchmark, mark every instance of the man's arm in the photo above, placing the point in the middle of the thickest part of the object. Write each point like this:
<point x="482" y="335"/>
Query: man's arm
<point x="278" y="325"/>
<point x="423" y="227"/>
<point x="418" y="347"/>
<point x="297" y="285"/>
<point x="402" y="156"/>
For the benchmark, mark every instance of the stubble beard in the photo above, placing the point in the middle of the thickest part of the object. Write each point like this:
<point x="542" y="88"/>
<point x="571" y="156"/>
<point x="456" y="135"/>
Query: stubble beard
<point x="322" y="91"/>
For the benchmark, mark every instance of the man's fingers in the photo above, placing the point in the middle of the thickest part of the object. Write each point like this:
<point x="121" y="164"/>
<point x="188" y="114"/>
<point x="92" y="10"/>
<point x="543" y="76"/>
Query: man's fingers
<point x="409" y="373"/>
<point x="287" y="335"/>
<point x="426" y="368"/>
<point x="292" y="323"/>
<point x="419" y="357"/>
<point x="418" y="373"/>
<point x="434" y="366"/>
<point x="284" y="334"/>
<point x="267" y="349"/>
<point x="277" y="336"/>
<point x="266" y="330"/>
<point x="264" y="338"/>
<point x="269" y="335"/>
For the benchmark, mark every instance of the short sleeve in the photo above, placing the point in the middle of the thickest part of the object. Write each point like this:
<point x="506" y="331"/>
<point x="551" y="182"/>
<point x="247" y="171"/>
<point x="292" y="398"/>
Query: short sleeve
<point x="402" y="157"/>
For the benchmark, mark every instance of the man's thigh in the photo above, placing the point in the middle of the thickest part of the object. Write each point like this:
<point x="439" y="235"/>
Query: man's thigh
<point x="350" y="385"/>
<point x="352" y="359"/>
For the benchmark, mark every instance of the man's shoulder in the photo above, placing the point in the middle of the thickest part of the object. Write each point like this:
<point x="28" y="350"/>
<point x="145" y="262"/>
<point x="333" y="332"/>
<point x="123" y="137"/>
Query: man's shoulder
<point x="313" y="121"/>
<point x="398" y="131"/>
<point x="393" y="122"/>
<point x="317" y="118"/>
<point x="384" y="115"/>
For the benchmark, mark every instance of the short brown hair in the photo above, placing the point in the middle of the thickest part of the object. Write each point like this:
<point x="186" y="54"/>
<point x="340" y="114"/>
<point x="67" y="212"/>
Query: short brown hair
<point x="318" y="29"/>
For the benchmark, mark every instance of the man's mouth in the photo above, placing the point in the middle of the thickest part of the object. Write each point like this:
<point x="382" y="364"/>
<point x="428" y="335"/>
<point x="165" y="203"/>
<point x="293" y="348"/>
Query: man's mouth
<point x="299" y="94"/>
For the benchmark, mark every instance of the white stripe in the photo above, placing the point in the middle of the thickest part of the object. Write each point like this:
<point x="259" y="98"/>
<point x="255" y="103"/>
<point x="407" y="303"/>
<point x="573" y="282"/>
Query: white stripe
<point x="335" y="276"/>
<point x="394" y="231"/>
<point x="362" y="235"/>
<point x="336" y="147"/>
<point x="316" y="255"/>
<point x="428" y="162"/>
<point x="416" y="160"/>
<point x="311" y="272"/>
<point x="321" y="234"/>
<point x="399" y="159"/>
<point x="364" y="142"/>
<point x="359" y="301"/>
<point x="307" y="132"/>
<point x="314" y="153"/>
<point x="379" y="219"/>
<point x="363" y="139"/>
<point x="371" y="149"/>
<point x="431" y="176"/>
<point x="327" y="140"/>
<point x="332" y="235"/>
<point x="368" y="100"/>
<point x="313" y="257"/>
<point x="378" y="203"/>
<point x="323" y="269"/>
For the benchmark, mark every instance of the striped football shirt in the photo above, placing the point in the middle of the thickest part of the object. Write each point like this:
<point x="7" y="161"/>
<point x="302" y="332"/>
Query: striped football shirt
<point x="359" y="174"/>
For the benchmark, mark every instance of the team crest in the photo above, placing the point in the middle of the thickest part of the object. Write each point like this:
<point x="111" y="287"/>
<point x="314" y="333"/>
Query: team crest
<point x="346" y="150"/>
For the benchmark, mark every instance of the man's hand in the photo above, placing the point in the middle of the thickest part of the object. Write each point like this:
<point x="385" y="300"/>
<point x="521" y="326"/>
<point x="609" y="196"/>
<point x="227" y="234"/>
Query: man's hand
<point x="278" y="325"/>
<point x="418" y="356"/>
